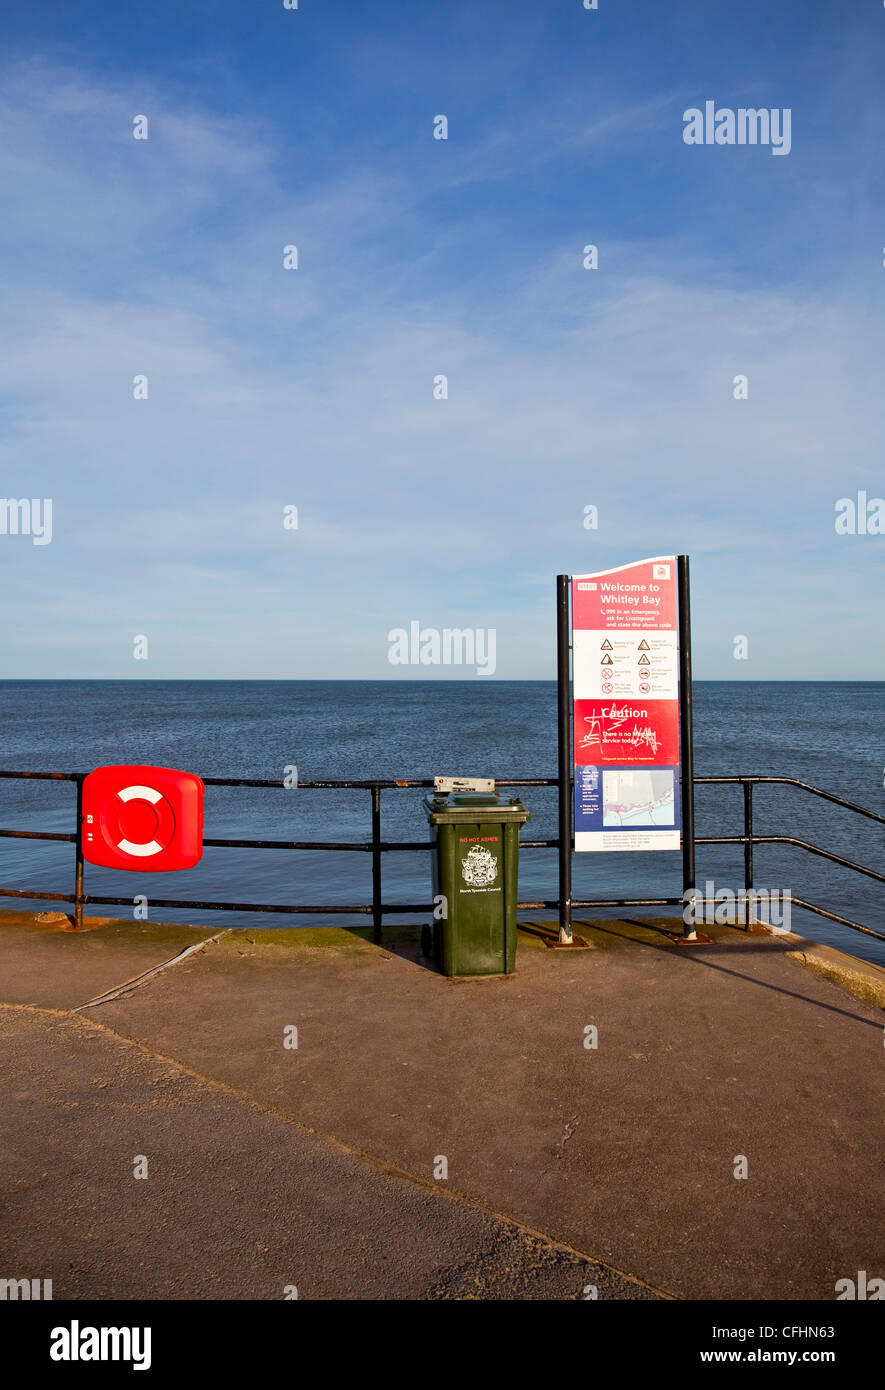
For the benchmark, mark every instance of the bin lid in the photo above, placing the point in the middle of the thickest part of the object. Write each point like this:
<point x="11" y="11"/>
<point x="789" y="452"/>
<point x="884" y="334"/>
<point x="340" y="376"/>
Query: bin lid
<point x="473" y="808"/>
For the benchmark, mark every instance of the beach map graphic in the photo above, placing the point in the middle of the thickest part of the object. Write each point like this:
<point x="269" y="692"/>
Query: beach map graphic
<point x="637" y="798"/>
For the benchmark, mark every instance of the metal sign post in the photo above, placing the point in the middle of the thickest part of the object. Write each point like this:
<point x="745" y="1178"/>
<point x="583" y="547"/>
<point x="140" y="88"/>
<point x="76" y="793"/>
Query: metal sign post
<point x="686" y="752"/>
<point x="564" y="771"/>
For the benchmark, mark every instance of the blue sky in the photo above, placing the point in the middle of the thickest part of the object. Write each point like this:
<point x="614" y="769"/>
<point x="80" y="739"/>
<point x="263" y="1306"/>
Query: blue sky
<point x="420" y="257"/>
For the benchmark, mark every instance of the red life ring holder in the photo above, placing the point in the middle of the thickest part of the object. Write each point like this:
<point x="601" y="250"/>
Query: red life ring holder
<point x="140" y="821"/>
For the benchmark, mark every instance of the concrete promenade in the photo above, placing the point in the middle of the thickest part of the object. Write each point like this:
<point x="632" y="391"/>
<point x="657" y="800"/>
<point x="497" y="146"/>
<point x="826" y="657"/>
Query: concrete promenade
<point x="317" y="1166"/>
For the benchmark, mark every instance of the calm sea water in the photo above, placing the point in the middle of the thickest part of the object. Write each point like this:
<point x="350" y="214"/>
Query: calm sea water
<point x="828" y="734"/>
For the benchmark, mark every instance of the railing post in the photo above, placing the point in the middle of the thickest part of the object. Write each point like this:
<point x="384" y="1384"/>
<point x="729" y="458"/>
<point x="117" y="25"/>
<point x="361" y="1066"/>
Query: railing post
<point x="748" y="835"/>
<point x="748" y="850"/>
<point x="686" y="752"/>
<point x="376" y="865"/>
<point x="564" y="717"/>
<point x="78" y="872"/>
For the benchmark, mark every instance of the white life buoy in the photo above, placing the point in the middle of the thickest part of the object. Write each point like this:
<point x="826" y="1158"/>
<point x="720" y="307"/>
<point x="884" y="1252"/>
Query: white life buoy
<point x="145" y="848"/>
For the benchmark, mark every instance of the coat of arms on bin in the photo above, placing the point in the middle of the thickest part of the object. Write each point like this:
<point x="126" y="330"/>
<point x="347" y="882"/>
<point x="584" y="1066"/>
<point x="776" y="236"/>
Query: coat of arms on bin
<point x="480" y="867"/>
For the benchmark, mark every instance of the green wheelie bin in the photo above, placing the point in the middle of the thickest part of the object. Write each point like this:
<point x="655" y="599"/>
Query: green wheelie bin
<point x="475" y="873"/>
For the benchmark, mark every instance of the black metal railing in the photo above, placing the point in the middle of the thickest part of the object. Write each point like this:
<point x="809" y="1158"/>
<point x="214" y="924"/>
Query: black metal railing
<point x="377" y="847"/>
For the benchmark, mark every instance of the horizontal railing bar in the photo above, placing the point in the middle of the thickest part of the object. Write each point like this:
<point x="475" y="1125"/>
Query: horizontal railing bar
<point x="365" y="909"/>
<point x="388" y="846"/>
<point x="287" y="844"/>
<point x="626" y="902"/>
<point x="816" y="849"/>
<point x="36" y="835"/>
<point x="393" y="846"/>
<point x="834" y="917"/>
<point x="552" y="904"/>
<point x="365" y="846"/>
<point x="805" y="786"/>
<point x="35" y="893"/>
<point x="304" y="786"/>
<point x="191" y="904"/>
<point x="383" y="783"/>
<point x="47" y="776"/>
<point x="391" y="783"/>
<point x="344" y="907"/>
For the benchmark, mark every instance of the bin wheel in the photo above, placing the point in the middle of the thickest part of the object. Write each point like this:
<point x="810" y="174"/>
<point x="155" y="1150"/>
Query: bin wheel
<point x="427" y="939"/>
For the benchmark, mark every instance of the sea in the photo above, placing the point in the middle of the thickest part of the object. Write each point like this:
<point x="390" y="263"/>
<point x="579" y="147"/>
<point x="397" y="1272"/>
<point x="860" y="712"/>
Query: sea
<point x="827" y="734"/>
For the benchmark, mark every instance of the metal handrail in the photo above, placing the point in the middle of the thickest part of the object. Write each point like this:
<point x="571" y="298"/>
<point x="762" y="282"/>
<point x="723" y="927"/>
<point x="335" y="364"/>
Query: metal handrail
<point x="376" y="847"/>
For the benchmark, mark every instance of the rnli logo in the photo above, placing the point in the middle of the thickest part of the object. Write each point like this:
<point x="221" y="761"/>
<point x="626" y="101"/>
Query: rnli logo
<point x="480" y="868"/>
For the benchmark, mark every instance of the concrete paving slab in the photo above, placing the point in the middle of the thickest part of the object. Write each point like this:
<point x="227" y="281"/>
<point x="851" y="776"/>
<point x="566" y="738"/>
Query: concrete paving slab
<point x="238" y="1202"/>
<point x="51" y="965"/>
<point x="627" y="1151"/>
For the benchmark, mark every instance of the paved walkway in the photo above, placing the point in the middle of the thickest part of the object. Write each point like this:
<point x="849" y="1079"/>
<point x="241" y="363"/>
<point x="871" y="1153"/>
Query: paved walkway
<point x="319" y="1166"/>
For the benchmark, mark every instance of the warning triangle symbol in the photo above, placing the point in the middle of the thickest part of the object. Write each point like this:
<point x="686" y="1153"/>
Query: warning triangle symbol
<point x="643" y="646"/>
<point x="606" y="646"/>
<point x="607" y="661"/>
<point x="644" y="661"/>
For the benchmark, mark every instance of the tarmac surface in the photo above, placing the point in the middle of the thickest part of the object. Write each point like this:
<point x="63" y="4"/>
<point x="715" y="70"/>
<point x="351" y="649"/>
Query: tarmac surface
<point x="432" y="1138"/>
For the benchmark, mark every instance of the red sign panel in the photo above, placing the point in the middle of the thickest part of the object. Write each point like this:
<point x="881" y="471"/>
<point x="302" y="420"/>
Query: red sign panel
<point x="142" y="818"/>
<point x="626" y="706"/>
<point x="611" y="732"/>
